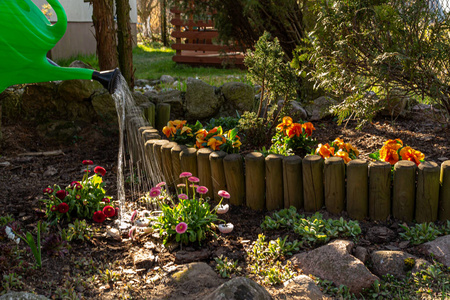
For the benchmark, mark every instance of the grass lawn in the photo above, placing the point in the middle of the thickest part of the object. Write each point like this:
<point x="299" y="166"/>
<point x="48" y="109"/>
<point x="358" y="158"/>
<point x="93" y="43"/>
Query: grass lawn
<point x="153" y="61"/>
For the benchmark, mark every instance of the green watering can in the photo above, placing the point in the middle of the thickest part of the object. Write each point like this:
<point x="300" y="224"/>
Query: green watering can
<point x="26" y="36"/>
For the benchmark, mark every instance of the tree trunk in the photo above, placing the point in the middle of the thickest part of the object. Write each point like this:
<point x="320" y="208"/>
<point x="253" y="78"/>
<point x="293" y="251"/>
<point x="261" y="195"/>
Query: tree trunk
<point x="125" y="45"/>
<point x="164" y="23"/>
<point x="105" y="34"/>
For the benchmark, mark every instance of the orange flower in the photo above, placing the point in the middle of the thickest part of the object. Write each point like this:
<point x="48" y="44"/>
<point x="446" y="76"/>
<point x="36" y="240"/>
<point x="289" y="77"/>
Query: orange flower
<point x="325" y="150"/>
<point x="344" y="155"/>
<point x="389" y="154"/>
<point x="215" y="142"/>
<point x="287" y="122"/>
<point x="393" y="144"/>
<point x="349" y="147"/>
<point x="339" y="142"/>
<point x="407" y="153"/>
<point x="167" y="131"/>
<point x="295" y="129"/>
<point x="309" y="127"/>
<point x="186" y="129"/>
<point x="178" y="124"/>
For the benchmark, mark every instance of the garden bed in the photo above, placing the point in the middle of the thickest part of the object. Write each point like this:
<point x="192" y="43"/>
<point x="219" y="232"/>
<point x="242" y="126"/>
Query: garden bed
<point x="24" y="178"/>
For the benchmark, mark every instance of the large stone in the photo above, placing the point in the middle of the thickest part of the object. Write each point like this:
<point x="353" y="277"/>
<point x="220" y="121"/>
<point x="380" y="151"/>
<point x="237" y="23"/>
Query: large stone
<point x="78" y="90"/>
<point x="190" y="256"/>
<point x="201" y="100"/>
<point x="144" y="259"/>
<point x="240" y="95"/>
<point x="296" y="110"/>
<point x="380" y="234"/>
<point x="38" y="101"/>
<point x="302" y="287"/>
<point x="175" y="100"/>
<point x="199" y="274"/>
<point x="239" y="288"/>
<point x="10" y="101"/>
<point x="105" y="107"/>
<point x="439" y="248"/>
<point x="139" y="98"/>
<point x="393" y="262"/>
<point x="335" y="263"/>
<point x="21" y="296"/>
<point x="167" y="79"/>
<point x="320" y="108"/>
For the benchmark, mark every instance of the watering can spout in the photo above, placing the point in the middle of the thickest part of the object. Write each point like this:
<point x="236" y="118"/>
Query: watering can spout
<point x="108" y="79"/>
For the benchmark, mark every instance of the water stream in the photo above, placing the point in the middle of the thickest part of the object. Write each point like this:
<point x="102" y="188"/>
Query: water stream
<point x="144" y="171"/>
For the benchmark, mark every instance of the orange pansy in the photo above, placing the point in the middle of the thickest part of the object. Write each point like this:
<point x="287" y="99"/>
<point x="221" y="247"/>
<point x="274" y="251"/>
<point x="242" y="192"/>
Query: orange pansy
<point x="344" y="155"/>
<point x="389" y="154"/>
<point x="407" y="153"/>
<point x="295" y="129"/>
<point x="309" y="127"/>
<point x="287" y="122"/>
<point x="325" y="150"/>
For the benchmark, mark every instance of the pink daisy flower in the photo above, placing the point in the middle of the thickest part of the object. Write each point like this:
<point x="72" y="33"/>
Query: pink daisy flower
<point x="181" y="228"/>
<point x="182" y="196"/>
<point x="155" y="192"/>
<point x="202" y="190"/>
<point x="224" y="194"/>
<point x="185" y="174"/>
<point x="193" y="179"/>
<point x="162" y="183"/>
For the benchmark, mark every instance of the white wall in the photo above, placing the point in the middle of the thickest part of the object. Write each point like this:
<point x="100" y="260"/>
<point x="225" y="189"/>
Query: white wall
<point x="80" y="11"/>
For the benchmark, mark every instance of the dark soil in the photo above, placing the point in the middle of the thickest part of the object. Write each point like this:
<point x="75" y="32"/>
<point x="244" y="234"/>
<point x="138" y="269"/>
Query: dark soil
<point x="22" y="182"/>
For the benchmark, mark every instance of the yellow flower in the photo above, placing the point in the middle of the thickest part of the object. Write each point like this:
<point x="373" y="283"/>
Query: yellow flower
<point x="393" y="144"/>
<point x="407" y="153"/>
<point x="325" y="150"/>
<point x="186" y="129"/>
<point x="339" y="143"/>
<point x="167" y="131"/>
<point x="237" y="144"/>
<point x="283" y="126"/>
<point x="215" y="142"/>
<point x="178" y="124"/>
<point x="344" y="155"/>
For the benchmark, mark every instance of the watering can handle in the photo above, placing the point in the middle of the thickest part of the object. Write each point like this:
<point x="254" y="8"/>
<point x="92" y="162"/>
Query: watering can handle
<point x="60" y="27"/>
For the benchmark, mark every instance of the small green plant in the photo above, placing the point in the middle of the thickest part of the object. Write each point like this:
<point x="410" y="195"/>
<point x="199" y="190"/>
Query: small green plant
<point x="226" y="267"/>
<point x="5" y="220"/>
<point x="409" y="263"/>
<point x="337" y="292"/>
<point x="35" y="249"/>
<point x="11" y="281"/>
<point x="227" y="123"/>
<point x="78" y="230"/>
<point x="420" y="233"/>
<point x="265" y="258"/>
<point x="312" y="229"/>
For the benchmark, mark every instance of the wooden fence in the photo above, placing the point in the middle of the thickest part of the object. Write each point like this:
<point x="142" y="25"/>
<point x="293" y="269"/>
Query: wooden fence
<point x="195" y="43"/>
<point x="363" y="189"/>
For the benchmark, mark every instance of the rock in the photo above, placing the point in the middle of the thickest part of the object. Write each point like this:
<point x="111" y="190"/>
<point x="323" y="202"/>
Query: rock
<point x="439" y="248"/>
<point x="80" y="64"/>
<point x="333" y="262"/>
<point x="21" y="296"/>
<point x="141" y="82"/>
<point x="198" y="273"/>
<point x="380" y="234"/>
<point x="139" y="98"/>
<point x="361" y="254"/>
<point x="201" y="100"/>
<point x="395" y="104"/>
<point x="38" y="101"/>
<point x="114" y="233"/>
<point x="10" y="103"/>
<point x="51" y="171"/>
<point x="296" y="111"/>
<point x="302" y="287"/>
<point x="144" y="259"/>
<point x="167" y="79"/>
<point x="320" y="108"/>
<point x="105" y="107"/>
<point x="239" y="288"/>
<point x="240" y="95"/>
<point x="175" y="100"/>
<point x="393" y="262"/>
<point x="184" y="256"/>
<point x="78" y="90"/>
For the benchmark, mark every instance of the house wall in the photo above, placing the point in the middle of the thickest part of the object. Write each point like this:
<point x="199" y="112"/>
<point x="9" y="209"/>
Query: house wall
<point x="79" y="37"/>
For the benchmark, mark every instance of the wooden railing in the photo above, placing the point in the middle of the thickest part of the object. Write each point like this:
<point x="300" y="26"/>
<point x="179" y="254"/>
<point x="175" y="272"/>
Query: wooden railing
<point x="195" y="43"/>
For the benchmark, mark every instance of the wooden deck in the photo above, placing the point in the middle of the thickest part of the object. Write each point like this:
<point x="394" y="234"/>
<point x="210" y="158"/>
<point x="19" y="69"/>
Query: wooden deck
<point x="196" y="43"/>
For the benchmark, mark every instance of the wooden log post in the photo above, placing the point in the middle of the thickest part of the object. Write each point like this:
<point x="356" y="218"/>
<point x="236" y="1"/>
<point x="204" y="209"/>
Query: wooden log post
<point x="292" y="182"/>
<point x="188" y="161"/>
<point x="427" y="194"/>
<point x="151" y="158"/>
<point x="274" y="182"/>
<point x="204" y="169"/>
<point x="255" y="181"/>
<point x="334" y="185"/>
<point x="176" y="163"/>
<point x="166" y="151"/>
<point x="444" y="194"/>
<point x="150" y="133"/>
<point x="233" y="165"/>
<point x="379" y="190"/>
<point x="157" y="146"/>
<point x="312" y="169"/>
<point x="217" y="173"/>
<point x="149" y="113"/>
<point x="357" y="189"/>
<point x="162" y="115"/>
<point x="404" y="190"/>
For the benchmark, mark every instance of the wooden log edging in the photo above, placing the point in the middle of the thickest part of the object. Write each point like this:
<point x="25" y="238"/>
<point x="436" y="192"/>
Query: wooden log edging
<point x="418" y="193"/>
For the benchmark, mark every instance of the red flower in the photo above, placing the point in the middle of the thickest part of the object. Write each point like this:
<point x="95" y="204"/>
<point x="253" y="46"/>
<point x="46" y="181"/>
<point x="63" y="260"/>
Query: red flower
<point x="87" y="162"/>
<point x="117" y="211"/>
<point x="100" y="170"/>
<point x="74" y="183"/>
<point x="106" y="200"/>
<point x="78" y="186"/>
<point x="99" y="217"/>
<point x="54" y="208"/>
<point x="61" y="194"/>
<point x="109" y="211"/>
<point x="63" y="207"/>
